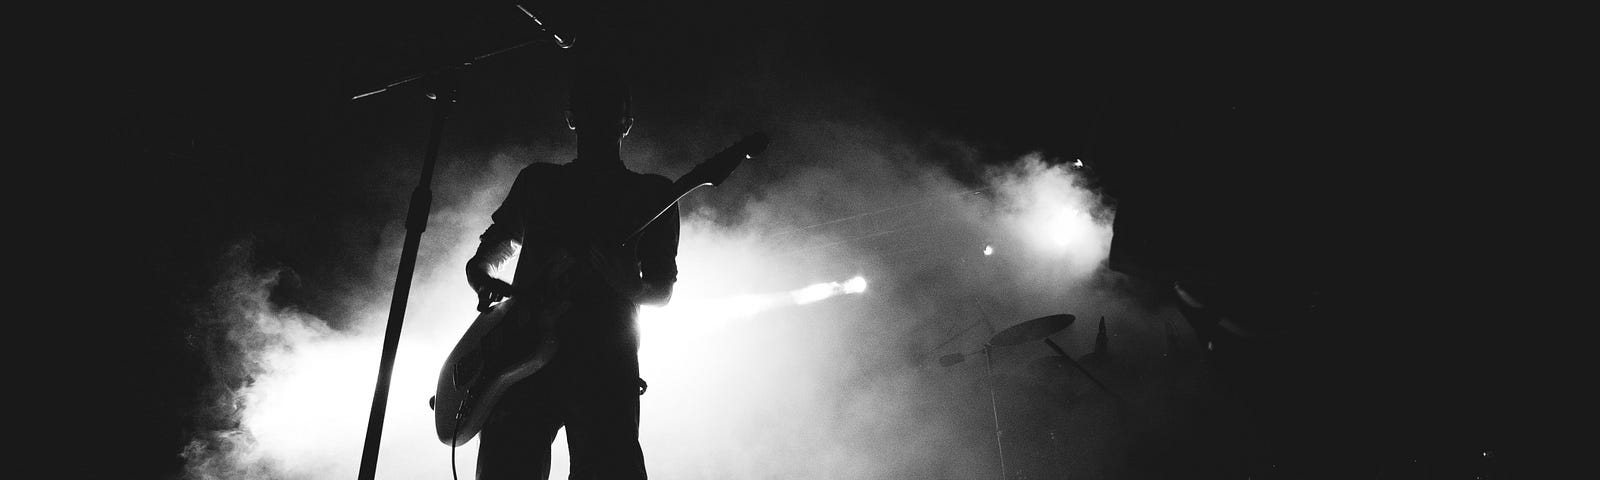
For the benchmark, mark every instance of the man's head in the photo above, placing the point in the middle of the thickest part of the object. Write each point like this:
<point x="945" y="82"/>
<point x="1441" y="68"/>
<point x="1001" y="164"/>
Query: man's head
<point x="599" y="106"/>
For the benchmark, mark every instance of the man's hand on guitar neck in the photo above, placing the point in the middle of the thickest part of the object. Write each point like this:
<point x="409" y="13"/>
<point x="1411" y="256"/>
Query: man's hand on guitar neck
<point x="619" y="268"/>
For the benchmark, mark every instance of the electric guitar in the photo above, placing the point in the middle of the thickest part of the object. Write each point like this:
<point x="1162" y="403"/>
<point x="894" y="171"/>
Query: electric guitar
<point x="516" y="338"/>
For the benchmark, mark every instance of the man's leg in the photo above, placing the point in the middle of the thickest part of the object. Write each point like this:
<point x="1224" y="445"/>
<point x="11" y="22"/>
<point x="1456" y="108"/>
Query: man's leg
<point x="515" y="442"/>
<point x="603" y="426"/>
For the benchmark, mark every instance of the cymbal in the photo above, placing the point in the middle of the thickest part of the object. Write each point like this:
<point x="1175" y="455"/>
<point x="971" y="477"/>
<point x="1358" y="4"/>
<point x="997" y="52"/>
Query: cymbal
<point x="1036" y="329"/>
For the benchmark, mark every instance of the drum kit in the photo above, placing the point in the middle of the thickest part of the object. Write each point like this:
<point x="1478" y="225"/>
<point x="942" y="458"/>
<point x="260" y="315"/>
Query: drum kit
<point x="1038" y="329"/>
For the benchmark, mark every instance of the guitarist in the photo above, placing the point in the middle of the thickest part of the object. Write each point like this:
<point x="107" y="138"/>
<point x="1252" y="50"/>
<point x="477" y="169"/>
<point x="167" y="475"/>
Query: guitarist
<point x="557" y="213"/>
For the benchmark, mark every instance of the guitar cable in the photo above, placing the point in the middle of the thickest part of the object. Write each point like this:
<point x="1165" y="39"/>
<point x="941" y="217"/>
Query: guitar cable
<point x="455" y="429"/>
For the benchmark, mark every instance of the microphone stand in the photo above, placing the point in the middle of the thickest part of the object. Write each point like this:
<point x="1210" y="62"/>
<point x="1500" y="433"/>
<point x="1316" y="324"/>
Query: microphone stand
<point x="443" y="96"/>
<point x="441" y="85"/>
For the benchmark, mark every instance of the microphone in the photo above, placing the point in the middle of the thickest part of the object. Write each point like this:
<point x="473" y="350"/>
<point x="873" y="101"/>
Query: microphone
<point x="561" y="42"/>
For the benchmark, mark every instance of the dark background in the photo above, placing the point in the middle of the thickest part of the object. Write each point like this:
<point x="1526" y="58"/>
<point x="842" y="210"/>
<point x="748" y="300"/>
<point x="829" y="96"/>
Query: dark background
<point x="1339" y="136"/>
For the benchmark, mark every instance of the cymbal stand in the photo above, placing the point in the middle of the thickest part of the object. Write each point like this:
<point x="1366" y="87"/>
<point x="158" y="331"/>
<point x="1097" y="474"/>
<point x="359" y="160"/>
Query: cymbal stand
<point x="994" y="406"/>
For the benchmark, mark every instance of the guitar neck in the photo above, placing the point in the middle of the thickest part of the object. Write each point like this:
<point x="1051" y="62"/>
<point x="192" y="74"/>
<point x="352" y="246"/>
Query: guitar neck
<point x="680" y="189"/>
<point x="710" y="172"/>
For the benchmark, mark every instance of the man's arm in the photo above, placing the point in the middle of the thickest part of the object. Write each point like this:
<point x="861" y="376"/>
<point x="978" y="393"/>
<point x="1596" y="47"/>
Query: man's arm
<point x="498" y="243"/>
<point x="644" y="271"/>
<point x="658" y="259"/>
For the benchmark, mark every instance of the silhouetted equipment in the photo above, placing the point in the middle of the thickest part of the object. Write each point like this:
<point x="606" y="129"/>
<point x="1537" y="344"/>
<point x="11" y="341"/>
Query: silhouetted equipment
<point x="402" y="81"/>
<point x="440" y="86"/>
<point x="1102" y="347"/>
<point x="1058" y="365"/>
<point x="1036" y="329"/>
<point x="1018" y="334"/>
<point x="1068" y="359"/>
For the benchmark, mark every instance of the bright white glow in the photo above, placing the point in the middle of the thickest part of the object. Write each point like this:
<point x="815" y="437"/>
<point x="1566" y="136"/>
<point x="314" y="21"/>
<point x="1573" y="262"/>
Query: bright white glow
<point x="823" y="291"/>
<point x="1053" y="214"/>
<point x="303" y="414"/>
<point x="814" y="292"/>
<point x="857" y="284"/>
<point x="712" y="312"/>
<point x="728" y="397"/>
<point x="988" y="250"/>
<point x="307" y="394"/>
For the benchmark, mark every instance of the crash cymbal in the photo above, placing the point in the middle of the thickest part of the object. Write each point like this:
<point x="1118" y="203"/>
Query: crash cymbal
<point x="1036" y="329"/>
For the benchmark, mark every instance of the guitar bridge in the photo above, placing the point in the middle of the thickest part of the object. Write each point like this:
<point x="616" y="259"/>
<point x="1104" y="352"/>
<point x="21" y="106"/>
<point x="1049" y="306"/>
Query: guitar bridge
<point x="466" y="371"/>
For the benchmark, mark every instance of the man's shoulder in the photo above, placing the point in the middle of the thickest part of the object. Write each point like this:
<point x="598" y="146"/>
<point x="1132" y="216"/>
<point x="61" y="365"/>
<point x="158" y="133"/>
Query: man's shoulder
<point x="540" y="170"/>
<point x="537" y="167"/>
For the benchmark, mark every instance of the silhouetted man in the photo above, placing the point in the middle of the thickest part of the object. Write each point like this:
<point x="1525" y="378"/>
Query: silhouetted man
<point x="582" y="207"/>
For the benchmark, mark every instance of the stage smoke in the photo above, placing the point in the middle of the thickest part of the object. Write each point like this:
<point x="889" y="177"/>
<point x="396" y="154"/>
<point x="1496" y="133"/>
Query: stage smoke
<point x="775" y="358"/>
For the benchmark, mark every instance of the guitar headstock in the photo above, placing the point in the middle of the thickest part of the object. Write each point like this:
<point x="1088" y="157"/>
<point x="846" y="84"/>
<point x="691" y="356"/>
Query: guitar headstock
<point x="716" y="169"/>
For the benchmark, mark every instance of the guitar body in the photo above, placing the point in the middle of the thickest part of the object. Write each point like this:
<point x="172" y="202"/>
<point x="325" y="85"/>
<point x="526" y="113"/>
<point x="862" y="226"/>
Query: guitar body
<point x="513" y="340"/>
<point x="517" y="337"/>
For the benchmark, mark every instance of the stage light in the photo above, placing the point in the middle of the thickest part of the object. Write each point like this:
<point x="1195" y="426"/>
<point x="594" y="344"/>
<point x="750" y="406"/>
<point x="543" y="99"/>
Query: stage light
<point x="813" y="293"/>
<point x="822" y="291"/>
<point x="855" y="285"/>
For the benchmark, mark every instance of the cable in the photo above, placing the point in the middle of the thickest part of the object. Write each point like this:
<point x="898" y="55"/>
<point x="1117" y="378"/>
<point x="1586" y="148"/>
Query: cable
<point x="455" y="429"/>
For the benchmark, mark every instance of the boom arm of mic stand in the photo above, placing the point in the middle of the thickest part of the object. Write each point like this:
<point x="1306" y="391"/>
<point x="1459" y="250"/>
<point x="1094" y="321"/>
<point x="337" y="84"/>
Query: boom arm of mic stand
<point x="560" y="42"/>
